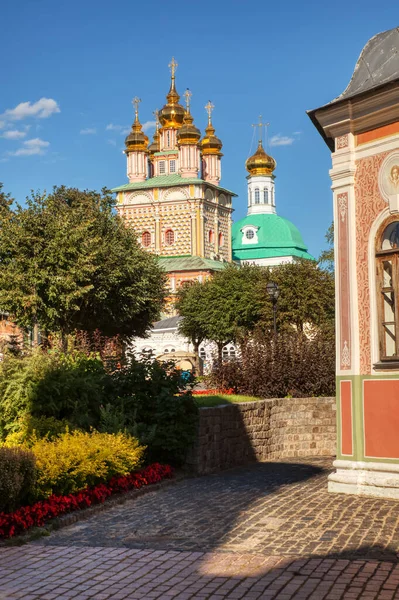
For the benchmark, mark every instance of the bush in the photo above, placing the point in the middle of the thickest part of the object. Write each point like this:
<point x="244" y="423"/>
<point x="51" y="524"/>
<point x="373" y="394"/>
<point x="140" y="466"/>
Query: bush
<point x="76" y="460"/>
<point x="51" y="384"/>
<point x="17" y="477"/>
<point x="289" y="364"/>
<point x="156" y="406"/>
<point x="46" y="391"/>
<point x="31" y="429"/>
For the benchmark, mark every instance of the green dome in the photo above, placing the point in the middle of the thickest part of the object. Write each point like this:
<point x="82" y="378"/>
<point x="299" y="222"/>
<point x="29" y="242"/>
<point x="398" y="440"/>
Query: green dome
<point x="274" y="237"/>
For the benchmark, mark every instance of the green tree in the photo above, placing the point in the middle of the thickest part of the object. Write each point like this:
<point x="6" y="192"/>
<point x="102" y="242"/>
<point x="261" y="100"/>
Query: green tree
<point x="67" y="263"/>
<point x="190" y="301"/>
<point x="306" y="295"/>
<point x="327" y="256"/>
<point x="223" y="306"/>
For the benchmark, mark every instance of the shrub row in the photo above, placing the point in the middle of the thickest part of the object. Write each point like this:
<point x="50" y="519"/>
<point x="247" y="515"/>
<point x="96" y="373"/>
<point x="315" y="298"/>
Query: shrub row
<point x="49" y="391"/>
<point x="12" y="524"/>
<point x="67" y="464"/>
<point x="288" y="364"/>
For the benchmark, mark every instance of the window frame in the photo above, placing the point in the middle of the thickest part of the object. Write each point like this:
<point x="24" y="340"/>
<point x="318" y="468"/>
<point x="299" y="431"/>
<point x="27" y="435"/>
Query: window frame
<point x="161" y="165"/>
<point x="381" y="256"/>
<point x="169" y="231"/>
<point x="257" y="196"/>
<point x="173" y="161"/>
<point x="146" y="234"/>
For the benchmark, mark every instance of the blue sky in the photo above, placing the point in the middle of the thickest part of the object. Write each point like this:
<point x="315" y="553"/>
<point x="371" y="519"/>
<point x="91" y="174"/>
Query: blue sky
<point x="88" y="59"/>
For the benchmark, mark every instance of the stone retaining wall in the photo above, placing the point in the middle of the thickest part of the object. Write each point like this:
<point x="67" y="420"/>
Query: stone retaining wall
<point x="238" y="434"/>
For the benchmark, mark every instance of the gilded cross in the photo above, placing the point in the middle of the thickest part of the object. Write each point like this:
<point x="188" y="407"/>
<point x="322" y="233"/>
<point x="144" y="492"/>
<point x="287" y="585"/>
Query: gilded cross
<point x="136" y="101"/>
<point x="209" y="108"/>
<point x="260" y="125"/>
<point x="187" y="95"/>
<point x="156" y="115"/>
<point x="173" y="66"/>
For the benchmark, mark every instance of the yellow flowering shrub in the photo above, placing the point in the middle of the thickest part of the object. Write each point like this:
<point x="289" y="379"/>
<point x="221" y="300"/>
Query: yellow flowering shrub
<point x="77" y="459"/>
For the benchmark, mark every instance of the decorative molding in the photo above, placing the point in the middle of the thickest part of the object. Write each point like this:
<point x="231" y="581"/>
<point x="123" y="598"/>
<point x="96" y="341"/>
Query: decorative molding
<point x="344" y="282"/>
<point x="342" y="142"/>
<point x="345" y="355"/>
<point x="343" y="205"/>
<point x="369" y="205"/>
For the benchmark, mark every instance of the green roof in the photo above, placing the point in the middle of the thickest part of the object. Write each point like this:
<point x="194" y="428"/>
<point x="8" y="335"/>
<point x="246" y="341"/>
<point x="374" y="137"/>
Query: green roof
<point x="276" y="235"/>
<point x="166" y="181"/>
<point x="166" y="152"/>
<point x="190" y="263"/>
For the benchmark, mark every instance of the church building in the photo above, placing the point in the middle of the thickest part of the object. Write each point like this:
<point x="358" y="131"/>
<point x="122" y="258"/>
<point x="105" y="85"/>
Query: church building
<point x="263" y="237"/>
<point x="173" y="199"/>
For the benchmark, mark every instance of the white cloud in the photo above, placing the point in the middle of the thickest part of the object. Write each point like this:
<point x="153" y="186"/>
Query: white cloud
<point x="148" y="125"/>
<point x="30" y="147"/>
<point x="112" y="142"/>
<point x="122" y="129"/>
<point x="88" y="131"/>
<point x="43" y="108"/>
<point x="112" y="127"/>
<point x="14" y="134"/>
<point x="2" y="124"/>
<point x="281" y="140"/>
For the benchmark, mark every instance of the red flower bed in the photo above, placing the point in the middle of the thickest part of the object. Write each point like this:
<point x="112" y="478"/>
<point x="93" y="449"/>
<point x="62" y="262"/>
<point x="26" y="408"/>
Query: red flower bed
<point x="213" y="392"/>
<point x="36" y="515"/>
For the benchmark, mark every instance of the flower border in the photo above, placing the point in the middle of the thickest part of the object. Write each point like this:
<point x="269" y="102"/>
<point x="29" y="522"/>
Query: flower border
<point x="24" y="518"/>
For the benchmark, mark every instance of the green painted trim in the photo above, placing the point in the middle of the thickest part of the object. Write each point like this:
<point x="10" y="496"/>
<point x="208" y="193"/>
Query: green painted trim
<point x="166" y="152"/>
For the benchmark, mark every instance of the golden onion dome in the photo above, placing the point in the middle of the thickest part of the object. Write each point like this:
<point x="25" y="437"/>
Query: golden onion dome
<point x="136" y="141"/>
<point x="172" y="114"/>
<point x="188" y="133"/>
<point x="210" y="144"/>
<point x="260" y="163"/>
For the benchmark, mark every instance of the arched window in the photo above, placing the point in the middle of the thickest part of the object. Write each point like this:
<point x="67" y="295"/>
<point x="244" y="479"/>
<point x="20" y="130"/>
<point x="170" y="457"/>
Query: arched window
<point x="202" y="353"/>
<point x="211" y="236"/>
<point x="146" y="239"/>
<point x="387" y="259"/>
<point x="265" y="196"/>
<point x="169" y="237"/>
<point x="168" y="138"/>
<point x="221" y="240"/>
<point x="257" y="196"/>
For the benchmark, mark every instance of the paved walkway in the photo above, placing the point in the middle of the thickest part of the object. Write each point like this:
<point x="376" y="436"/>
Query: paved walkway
<point x="268" y="531"/>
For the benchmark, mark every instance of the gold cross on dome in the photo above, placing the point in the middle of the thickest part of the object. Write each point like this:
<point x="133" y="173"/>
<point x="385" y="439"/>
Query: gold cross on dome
<point x="156" y="115"/>
<point x="187" y="94"/>
<point x="209" y="108"/>
<point x="136" y="101"/>
<point x="173" y="66"/>
<point x="260" y="125"/>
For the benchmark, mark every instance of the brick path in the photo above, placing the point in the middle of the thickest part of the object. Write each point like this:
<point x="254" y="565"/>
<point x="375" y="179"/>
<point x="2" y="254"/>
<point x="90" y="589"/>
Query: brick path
<point x="268" y="531"/>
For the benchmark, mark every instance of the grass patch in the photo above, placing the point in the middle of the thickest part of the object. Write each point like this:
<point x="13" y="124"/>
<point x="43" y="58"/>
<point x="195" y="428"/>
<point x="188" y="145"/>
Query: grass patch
<point x="223" y="399"/>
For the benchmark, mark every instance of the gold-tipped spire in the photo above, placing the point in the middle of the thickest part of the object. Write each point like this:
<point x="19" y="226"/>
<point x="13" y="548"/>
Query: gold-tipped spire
<point x="188" y="133"/>
<point x="210" y="144"/>
<point x="155" y="144"/>
<point x="260" y="163"/>
<point x="136" y="141"/>
<point x="260" y="124"/>
<point x="172" y="114"/>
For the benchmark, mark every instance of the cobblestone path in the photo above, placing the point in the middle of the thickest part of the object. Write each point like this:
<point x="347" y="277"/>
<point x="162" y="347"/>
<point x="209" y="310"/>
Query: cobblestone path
<point x="267" y="531"/>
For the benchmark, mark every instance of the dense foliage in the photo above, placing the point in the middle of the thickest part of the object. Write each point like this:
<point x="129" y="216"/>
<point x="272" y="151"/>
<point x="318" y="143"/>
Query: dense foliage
<point x="235" y="301"/>
<point x="290" y="364"/>
<point x="68" y="263"/>
<point x="79" y="459"/>
<point x="17" y="477"/>
<point x="49" y="391"/>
